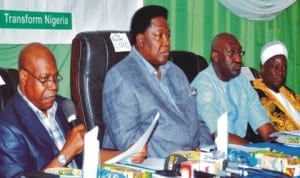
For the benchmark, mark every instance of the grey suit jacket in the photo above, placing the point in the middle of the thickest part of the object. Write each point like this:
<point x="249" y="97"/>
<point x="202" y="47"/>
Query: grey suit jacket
<point x="131" y="98"/>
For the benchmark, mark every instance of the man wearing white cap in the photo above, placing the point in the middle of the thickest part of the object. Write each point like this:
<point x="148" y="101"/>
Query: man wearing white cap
<point x="280" y="102"/>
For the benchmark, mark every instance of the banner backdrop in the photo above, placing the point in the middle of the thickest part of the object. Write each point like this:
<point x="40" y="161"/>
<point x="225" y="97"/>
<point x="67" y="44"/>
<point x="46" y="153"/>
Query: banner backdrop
<point x="58" y="21"/>
<point x="55" y="23"/>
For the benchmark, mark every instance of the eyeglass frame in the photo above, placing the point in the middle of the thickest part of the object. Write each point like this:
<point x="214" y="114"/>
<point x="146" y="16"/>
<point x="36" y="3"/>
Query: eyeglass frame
<point x="44" y="83"/>
<point x="231" y="53"/>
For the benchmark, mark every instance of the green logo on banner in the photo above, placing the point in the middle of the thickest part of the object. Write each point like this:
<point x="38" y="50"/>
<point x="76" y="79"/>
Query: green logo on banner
<point x="35" y="20"/>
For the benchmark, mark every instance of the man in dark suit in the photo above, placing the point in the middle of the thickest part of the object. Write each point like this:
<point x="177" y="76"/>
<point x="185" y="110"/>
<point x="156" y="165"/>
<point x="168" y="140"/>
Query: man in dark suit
<point x="34" y="131"/>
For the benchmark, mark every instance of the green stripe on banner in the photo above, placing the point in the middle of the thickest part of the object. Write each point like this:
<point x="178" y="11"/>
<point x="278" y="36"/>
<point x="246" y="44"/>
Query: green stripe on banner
<point x="35" y="20"/>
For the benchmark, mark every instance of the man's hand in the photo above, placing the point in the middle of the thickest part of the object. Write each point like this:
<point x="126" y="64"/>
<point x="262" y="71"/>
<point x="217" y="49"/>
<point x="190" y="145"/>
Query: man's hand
<point x="141" y="156"/>
<point x="74" y="142"/>
<point x="73" y="146"/>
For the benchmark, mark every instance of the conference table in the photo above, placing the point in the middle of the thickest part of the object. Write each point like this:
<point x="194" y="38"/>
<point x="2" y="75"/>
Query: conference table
<point x="290" y="150"/>
<point x="273" y="146"/>
<point x="277" y="147"/>
<point x="293" y="151"/>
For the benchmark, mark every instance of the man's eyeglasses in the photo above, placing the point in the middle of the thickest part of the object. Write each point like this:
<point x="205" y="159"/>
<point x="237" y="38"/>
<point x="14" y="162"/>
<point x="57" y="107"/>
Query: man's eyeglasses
<point x="231" y="53"/>
<point x="45" y="80"/>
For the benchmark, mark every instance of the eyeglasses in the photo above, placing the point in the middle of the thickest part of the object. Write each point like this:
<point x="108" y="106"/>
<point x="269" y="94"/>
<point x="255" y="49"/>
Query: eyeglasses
<point x="45" y="80"/>
<point x="231" y="53"/>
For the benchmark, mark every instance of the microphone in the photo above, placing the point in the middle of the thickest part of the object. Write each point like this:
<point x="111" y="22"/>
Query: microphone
<point x="173" y="163"/>
<point x="70" y="112"/>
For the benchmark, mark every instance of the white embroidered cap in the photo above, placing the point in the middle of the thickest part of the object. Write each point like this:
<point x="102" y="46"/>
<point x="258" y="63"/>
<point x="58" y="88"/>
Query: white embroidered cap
<point x="272" y="49"/>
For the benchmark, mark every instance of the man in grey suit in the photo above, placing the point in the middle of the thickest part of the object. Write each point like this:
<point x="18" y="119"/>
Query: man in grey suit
<point x="145" y="83"/>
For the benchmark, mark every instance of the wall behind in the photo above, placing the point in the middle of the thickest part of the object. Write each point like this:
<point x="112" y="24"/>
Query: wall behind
<point x="86" y="15"/>
<point x="62" y="52"/>
<point x="194" y="23"/>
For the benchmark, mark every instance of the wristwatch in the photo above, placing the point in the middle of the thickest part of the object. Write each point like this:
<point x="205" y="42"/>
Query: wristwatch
<point x="62" y="159"/>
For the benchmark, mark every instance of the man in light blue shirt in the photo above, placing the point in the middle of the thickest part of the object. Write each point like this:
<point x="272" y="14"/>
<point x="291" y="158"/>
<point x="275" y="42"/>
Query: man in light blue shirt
<point x="222" y="89"/>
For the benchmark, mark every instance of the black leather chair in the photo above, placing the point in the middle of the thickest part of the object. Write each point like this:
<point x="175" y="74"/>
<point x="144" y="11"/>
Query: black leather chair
<point x="8" y="88"/>
<point x="189" y="62"/>
<point x="92" y="56"/>
<point x="255" y="72"/>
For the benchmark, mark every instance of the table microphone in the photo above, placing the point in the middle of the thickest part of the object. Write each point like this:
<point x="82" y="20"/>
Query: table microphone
<point x="70" y="112"/>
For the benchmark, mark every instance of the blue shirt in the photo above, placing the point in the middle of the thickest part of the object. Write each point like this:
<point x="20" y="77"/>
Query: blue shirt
<point x="236" y="96"/>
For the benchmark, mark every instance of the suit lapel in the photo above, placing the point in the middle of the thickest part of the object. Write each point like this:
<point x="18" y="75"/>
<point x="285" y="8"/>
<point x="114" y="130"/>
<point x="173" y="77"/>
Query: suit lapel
<point x="31" y="122"/>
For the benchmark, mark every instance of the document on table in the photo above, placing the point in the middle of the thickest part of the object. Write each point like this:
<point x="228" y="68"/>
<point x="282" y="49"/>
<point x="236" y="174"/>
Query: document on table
<point x="292" y="132"/>
<point x="222" y="134"/>
<point x="249" y="148"/>
<point x="149" y="164"/>
<point x="137" y="146"/>
<point x="91" y="154"/>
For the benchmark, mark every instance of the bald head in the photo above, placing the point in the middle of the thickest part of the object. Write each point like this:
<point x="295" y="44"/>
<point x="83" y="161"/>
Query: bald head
<point x="226" y="56"/>
<point x="38" y="75"/>
<point x="221" y="40"/>
<point x="32" y="52"/>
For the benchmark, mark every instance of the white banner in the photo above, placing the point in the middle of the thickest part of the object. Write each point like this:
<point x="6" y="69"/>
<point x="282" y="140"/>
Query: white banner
<point x="58" y="21"/>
